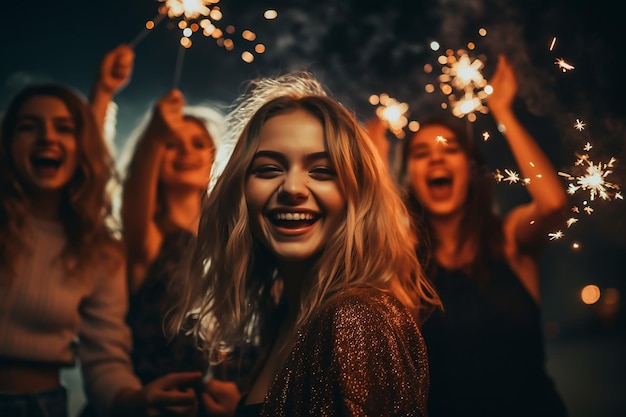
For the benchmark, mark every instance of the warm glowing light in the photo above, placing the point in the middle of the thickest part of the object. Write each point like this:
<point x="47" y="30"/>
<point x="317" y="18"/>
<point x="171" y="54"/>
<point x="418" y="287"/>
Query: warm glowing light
<point x="247" y="57"/>
<point x="462" y="82"/>
<point x="564" y="66"/>
<point x="555" y="235"/>
<point x="208" y="14"/>
<point x="553" y="43"/>
<point x="270" y="14"/>
<point x="434" y="45"/>
<point x="414" y="126"/>
<point x="248" y="35"/>
<point x="393" y="112"/>
<point x="482" y="32"/>
<point x="590" y="294"/>
<point x="579" y="125"/>
<point x="512" y="176"/>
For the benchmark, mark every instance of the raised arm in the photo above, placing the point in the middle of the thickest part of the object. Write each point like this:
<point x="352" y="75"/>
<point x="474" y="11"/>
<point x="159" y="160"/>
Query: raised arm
<point x="527" y="225"/>
<point x="114" y="73"/>
<point x="139" y="198"/>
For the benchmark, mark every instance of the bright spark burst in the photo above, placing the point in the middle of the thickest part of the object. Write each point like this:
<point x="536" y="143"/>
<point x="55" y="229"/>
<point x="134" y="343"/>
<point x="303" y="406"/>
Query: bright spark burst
<point x="204" y="16"/>
<point x="564" y="66"/>
<point x="593" y="178"/>
<point x="571" y="221"/>
<point x="463" y="83"/>
<point x="579" y="125"/>
<point x="441" y="139"/>
<point x="555" y="235"/>
<point x="587" y="147"/>
<point x="498" y="176"/>
<point x="512" y="176"/>
<point x="486" y="136"/>
<point x="393" y="112"/>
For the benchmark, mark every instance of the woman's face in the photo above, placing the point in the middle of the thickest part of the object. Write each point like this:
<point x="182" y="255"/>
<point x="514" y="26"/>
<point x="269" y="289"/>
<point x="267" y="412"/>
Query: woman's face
<point x="294" y="200"/>
<point x="43" y="146"/>
<point x="188" y="158"/>
<point x="438" y="170"/>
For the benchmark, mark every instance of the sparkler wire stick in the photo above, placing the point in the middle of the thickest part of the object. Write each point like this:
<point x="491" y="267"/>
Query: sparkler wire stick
<point x="141" y="35"/>
<point x="179" y="65"/>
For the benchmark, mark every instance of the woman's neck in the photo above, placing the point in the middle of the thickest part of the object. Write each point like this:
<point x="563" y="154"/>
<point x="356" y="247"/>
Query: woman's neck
<point x="449" y="251"/>
<point x="183" y="209"/>
<point x="293" y="275"/>
<point x="44" y="206"/>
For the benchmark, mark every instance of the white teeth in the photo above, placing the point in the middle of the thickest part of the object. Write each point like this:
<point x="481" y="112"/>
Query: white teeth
<point x="293" y="216"/>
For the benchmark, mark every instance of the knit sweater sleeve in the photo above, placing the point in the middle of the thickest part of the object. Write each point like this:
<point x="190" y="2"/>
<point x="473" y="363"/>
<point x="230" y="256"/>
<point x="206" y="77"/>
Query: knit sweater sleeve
<point x="105" y="339"/>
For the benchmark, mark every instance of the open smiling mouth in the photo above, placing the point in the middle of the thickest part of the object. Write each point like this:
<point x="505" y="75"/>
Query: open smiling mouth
<point x="293" y="220"/>
<point x="440" y="182"/>
<point x="45" y="162"/>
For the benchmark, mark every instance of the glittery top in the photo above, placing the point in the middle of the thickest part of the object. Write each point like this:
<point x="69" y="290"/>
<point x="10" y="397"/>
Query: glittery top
<point x="361" y="355"/>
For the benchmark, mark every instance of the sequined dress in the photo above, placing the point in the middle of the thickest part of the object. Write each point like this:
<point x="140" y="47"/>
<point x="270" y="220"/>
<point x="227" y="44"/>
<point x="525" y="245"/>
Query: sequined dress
<point x="486" y="351"/>
<point x="362" y="355"/>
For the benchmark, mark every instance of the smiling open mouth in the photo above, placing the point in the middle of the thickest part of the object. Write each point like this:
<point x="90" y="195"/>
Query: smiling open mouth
<point x="46" y="162"/>
<point x="293" y="220"/>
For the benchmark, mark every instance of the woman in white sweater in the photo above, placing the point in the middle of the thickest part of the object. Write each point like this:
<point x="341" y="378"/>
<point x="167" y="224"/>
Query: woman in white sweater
<point x="63" y="293"/>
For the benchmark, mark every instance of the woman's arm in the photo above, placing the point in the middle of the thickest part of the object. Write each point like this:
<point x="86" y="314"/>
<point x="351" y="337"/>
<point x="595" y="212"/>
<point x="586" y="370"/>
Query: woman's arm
<point x="139" y="197"/>
<point x="527" y="225"/>
<point x="115" y="71"/>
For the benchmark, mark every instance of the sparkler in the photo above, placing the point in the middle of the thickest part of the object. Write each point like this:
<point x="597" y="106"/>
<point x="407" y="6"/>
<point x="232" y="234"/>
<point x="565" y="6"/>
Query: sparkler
<point x="561" y="63"/>
<point x="204" y="16"/>
<point x="392" y="111"/>
<point x="593" y="178"/>
<point x="463" y="83"/>
<point x="589" y="176"/>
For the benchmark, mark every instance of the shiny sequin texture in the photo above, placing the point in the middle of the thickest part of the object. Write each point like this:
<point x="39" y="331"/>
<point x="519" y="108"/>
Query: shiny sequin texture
<point x="362" y="355"/>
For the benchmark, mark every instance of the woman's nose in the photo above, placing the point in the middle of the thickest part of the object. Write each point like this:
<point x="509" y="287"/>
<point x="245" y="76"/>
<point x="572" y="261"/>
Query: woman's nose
<point x="294" y="187"/>
<point x="47" y="132"/>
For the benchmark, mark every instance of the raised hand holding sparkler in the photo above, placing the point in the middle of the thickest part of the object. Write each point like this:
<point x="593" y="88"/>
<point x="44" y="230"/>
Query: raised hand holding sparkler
<point x="113" y="75"/>
<point x="548" y="195"/>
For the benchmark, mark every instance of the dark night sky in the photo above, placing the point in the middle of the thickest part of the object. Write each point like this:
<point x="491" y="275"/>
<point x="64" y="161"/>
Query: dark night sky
<point x="358" y="48"/>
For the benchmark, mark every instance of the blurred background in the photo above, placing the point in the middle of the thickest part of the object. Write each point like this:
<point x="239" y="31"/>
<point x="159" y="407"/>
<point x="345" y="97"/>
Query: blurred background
<point x="569" y="58"/>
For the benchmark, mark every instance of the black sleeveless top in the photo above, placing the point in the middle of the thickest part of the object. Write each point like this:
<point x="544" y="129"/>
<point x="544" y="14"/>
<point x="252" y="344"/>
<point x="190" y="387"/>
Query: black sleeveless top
<point x="153" y="354"/>
<point x="486" y="350"/>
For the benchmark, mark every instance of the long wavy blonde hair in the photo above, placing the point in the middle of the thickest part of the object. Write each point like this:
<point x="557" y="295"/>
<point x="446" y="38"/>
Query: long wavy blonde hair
<point x="85" y="210"/>
<point x="231" y="274"/>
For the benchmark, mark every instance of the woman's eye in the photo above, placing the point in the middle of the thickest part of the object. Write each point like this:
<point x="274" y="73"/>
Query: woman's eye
<point x="25" y="127"/>
<point x="323" y="173"/>
<point x="199" y="144"/>
<point x="267" y="171"/>
<point x="65" y="128"/>
<point x="419" y="154"/>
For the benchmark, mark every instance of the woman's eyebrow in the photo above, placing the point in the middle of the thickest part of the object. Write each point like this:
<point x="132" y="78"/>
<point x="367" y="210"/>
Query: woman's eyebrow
<point x="280" y="157"/>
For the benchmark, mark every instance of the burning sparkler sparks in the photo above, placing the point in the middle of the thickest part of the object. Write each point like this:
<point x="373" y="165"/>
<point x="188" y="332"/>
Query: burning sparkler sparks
<point x="555" y="235"/>
<point x="593" y="178"/>
<point x="463" y="83"/>
<point x="564" y="66"/>
<point x="204" y="16"/>
<point x="392" y="111"/>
